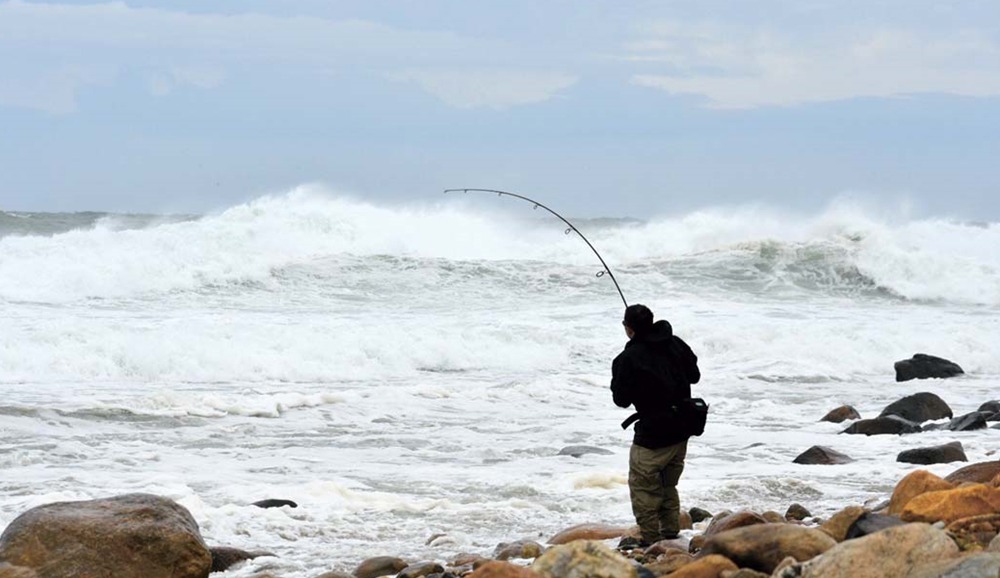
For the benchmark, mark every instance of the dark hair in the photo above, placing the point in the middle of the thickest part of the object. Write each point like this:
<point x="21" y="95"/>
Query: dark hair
<point x="638" y="318"/>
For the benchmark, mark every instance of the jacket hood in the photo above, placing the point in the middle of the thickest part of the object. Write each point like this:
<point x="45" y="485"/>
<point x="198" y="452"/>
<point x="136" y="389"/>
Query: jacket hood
<point x="661" y="331"/>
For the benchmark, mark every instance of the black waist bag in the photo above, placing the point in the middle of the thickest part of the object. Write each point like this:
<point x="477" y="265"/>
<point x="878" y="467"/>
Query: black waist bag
<point x="687" y="417"/>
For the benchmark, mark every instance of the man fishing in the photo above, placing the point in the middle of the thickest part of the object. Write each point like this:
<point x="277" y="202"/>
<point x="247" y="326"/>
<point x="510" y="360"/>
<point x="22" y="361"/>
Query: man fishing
<point x="654" y="373"/>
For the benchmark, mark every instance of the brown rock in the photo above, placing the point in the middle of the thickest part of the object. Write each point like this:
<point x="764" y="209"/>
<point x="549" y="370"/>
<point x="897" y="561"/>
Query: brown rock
<point x="911" y="486"/>
<point x="979" y="473"/>
<point x="697" y="542"/>
<point x="670" y="563"/>
<point x="951" y="505"/>
<point x="797" y="512"/>
<point x="823" y="456"/>
<point x="841" y="414"/>
<point x="466" y="559"/>
<point x="667" y="546"/>
<point x="379" y="566"/>
<point x="762" y="547"/>
<point x="588" y="532"/>
<point x="975" y="533"/>
<point x="686" y="523"/>
<point x="837" y="526"/>
<point x="583" y="559"/>
<point x="129" y="536"/>
<point x="334" y="574"/>
<point x="223" y="558"/>
<point x="707" y="567"/>
<point x="891" y="553"/>
<point x="420" y="569"/>
<point x="773" y="517"/>
<point x="521" y="549"/>
<point x="738" y="520"/>
<point x="503" y="570"/>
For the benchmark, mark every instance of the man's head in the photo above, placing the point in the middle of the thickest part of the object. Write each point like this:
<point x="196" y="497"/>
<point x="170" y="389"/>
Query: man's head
<point x="638" y="320"/>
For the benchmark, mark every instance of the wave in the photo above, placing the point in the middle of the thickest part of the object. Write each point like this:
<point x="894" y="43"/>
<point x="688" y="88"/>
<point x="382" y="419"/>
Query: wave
<point x="309" y="233"/>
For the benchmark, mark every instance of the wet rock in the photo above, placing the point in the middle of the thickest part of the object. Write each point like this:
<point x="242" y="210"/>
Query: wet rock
<point x="467" y="559"/>
<point x="869" y="523"/>
<point x="670" y="563"/>
<point x="774" y="517"/>
<point x="685" y="522"/>
<point x="994" y="545"/>
<point x="721" y="524"/>
<point x="797" y="512"/>
<point x="588" y="532"/>
<point x="951" y="505"/>
<point x="991" y="407"/>
<point x="577" y="451"/>
<point x="275" y="503"/>
<point x="923" y="366"/>
<point x="911" y="486"/>
<point x="522" y="549"/>
<point x="696" y="543"/>
<point x="708" y="567"/>
<point x="503" y="570"/>
<point x="969" y="422"/>
<point x="836" y="527"/>
<point x="762" y="547"/>
<point x="982" y="565"/>
<point x="841" y="414"/>
<point x="420" y="569"/>
<point x="978" y="473"/>
<point x="883" y="425"/>
<point x="892" y="553"/>
<point x="666" y="546"/>
<point x="129" y="536"/>
<point x="943" y="454"/>
<point x="583" y="559"/>
<point x="698" y="515"/>
<point x="821" y="455"/>
<point x="918" y="408"/>
<point x="223" y="558"/>
<point x="379" y="566"/>
<point x="975" y="533"/>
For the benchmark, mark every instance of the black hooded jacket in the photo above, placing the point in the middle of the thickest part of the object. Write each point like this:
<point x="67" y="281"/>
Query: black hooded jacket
<point x="655" y="370"/>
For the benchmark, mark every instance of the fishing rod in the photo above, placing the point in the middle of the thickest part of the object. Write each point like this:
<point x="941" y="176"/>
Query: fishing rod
<point x="561" y="218"/>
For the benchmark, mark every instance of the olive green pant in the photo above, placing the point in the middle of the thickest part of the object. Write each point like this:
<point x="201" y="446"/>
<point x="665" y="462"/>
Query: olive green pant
<point x="652" y="484"/>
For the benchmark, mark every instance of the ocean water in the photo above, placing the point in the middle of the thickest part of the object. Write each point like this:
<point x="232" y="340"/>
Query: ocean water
<point x="409" y="374"/>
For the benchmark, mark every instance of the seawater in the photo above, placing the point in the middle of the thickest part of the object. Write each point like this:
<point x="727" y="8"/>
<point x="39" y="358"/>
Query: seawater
<point x="409" y="374"/>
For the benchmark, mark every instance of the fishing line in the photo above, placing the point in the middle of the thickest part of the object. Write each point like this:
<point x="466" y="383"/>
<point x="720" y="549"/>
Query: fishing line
<point x="561" y="218"/>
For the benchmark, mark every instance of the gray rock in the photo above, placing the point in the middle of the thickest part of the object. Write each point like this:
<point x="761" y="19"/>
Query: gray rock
<point x="274" y="503"/>
<point x="919" y="407"/>
<point x="981" y="565"/>
<point x="223" y="558"/>
<point x="870" y="523"/>
<point x="820" y="455"/>
<point x="923" y="366"/>
<point x="943" y="454"/>
<point x="698" y="514"/>
<point x="797" y="512"/>
<point x="970" y="421"/>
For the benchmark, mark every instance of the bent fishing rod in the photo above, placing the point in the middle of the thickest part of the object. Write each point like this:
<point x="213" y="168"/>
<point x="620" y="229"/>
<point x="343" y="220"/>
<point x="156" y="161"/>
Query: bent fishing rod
<point x="561" y="218"/>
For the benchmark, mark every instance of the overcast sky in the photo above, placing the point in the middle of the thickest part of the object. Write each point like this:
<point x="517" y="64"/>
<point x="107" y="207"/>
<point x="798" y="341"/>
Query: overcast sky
<point x="613" y="108"/>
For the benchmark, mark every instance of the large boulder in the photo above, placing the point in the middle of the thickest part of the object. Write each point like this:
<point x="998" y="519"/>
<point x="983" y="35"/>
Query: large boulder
<point x="728" y="522"/>
<point x="841" y="414"/>
<point x="978" y="473"/>
<point x="991" y="407"/>
<point x="923" y="366"/>
<point x="951" y="505"/>
<point x="918" y="408"/>
<point x="883" y="425"/>
<point x="891" y="553"/>
<point x="911" y="486"/>
<point x="584" y="559"/>
<point x="762" y="547"/>
<point x="970" y="421"/>
<point x="982" y="565"/>
<point x="129" y="536"/>
<point x="821" y="455"/>
<point x="975" y="533"/>
<point x="943" y="454"/>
